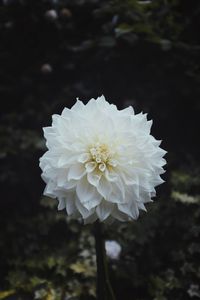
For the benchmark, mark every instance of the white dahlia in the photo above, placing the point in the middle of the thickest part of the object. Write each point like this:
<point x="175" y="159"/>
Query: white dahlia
<point x="102" y="163"/>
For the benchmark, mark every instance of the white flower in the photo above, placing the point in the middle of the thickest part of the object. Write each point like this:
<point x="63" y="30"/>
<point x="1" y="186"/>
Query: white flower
<point x="101" y="163"/>
<point x="51" y="15"/>
<point x="113" y="249"/>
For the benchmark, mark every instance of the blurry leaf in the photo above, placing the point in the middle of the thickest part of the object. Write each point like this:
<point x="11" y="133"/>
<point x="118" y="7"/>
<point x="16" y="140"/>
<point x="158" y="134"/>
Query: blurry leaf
<point x="78" y="267"/>
<point x="187" y="268"/>
<point x="40" y="294"/>
<point x="92" y="290"/>
<point x="123" y="29"/>
<point x="5" y="294"/>
<point x="185" y="198"/>
<point x="194" y="248"/>
<point x="183" y="181"/>
<point x="37" y="281"/>
<point x="166" y="45"/>
<point x="48" y="202"/>
<point x="83" y="268"/>
<point x="107" y="41"/>
<point x="51" y="262"/>
<point x="50" y="295"/>
<point x="45" y="294"/>
<point x="194" y="291"/>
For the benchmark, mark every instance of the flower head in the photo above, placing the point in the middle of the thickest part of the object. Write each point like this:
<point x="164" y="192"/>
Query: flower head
<point x="102" y="163"/>
<point x="113" y="249"/>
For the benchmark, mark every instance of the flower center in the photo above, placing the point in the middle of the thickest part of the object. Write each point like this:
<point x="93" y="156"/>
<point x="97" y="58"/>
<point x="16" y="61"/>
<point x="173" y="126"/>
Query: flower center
<point x="100" y="155"/>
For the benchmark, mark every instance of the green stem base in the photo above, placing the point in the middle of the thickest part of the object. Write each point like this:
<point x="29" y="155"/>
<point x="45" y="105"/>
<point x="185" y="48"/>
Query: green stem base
<point x="104" y="289"/>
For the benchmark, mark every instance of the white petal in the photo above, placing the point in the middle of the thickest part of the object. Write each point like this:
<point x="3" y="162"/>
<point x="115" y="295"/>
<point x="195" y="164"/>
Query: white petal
<point x="131" y="206"/>
<point x="111" y="176"/>
<point x="145" y="197"/>
<point x="70" y="184"/>
<point x="91" y="219"/>
<point x="49" y="189"/>
<point x="141" y="206"/>
<point x="101" y="100"/>
<point x="90" y="166"/>
<point x="66" y="112"/>
<point x="84" y="157"/>
<point x="61" y="204"/>
<point x="119" y="215"/>
<point x="104" y="209"/>
<point x="93" y="178"/>
<point x="55" y="119"/>
<point x="49" y="133"/>
<point x="104" y="188"/>
<point x="127" y="111"/>
<point x="117" y="195"/>
<point x="94" y="202"/>
<point x="83" y="211"/>
<point x="87" y="194"/>
<point x="65" y="159"/>
<point x="62" y="177"/>
<point x="112" y="162"/>
<point x="129" y="177"/>
<point x="78" y="106"/>
<point x="131" y="209"/>
<point x="157" y="181"/>
<point x="102" y="167"/>
<point x="70" y="204"/>
<point x="76" y="172"/>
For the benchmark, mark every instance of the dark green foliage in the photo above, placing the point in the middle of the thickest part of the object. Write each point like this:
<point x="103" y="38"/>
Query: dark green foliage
<point x="140" y="53"/>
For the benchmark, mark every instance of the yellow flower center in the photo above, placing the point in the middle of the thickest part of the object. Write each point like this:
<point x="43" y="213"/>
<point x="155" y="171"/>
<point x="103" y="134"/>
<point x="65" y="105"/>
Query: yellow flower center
<point x="100" y="153"/>
<point x="101" y="156"/>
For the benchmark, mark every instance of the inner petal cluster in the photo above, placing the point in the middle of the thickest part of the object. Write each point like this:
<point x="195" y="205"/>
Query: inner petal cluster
<point x="101" y="158"/>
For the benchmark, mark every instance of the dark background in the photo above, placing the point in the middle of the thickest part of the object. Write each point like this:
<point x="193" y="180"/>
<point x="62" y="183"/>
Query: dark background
<point x="140" y="53"/>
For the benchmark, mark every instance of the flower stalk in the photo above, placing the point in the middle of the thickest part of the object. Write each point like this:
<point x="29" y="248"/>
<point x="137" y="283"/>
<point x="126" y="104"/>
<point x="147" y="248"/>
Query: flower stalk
<point x="104" y="288"/>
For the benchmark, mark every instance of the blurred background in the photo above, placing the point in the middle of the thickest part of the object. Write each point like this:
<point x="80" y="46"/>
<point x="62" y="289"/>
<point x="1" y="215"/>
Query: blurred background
<point x="140" y="53"/>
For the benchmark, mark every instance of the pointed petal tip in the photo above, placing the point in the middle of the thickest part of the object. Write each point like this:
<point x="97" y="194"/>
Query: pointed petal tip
<point x="101" y="98"/>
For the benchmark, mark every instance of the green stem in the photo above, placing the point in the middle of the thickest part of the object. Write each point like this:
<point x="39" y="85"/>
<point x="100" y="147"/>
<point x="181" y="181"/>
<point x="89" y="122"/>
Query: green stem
<point x="104" y="289"/>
